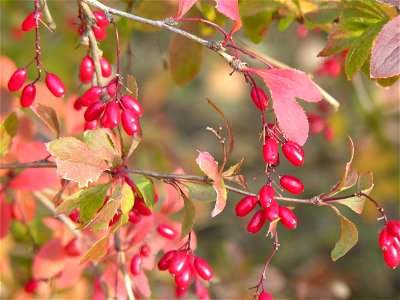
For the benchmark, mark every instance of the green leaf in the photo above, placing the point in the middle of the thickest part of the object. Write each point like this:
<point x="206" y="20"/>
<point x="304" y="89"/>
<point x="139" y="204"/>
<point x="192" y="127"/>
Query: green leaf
<point x="386" y="82"/>
<point x="99" y="141"/>
<point x="323" y="15"/>
<point x="146" y="188"/>
<point x="185" y="65"/>
<point x="127" y="199"/>
<point x="188" y="217"/>
<point x="48" y="117"/>
<point x="256" y="26"/>
<point x="104" y="216"/>
<point x="348" y="237"/>
<point x="8" y="129"/>
<point x="76" y="161"/>
<point x="88" y="200"/>
<point x="285" y="22"/>
<point x="361" y="49"/>
<point x="200" y="191"/>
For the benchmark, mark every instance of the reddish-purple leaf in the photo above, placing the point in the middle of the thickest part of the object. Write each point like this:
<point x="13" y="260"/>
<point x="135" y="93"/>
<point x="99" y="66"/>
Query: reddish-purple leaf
<point x="5" y="216"/>
<point x="285" y="85"/>
<point x="385" y="57"/>
<point x="230" y="8"/>
<point x="183" y="7"/>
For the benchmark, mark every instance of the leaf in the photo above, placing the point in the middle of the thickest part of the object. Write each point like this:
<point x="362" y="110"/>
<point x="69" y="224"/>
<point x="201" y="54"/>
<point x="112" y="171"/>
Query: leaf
<point x="348" y="237"/>
<point x="210" y="167"/>
<point x="189" y="216"/>
<point x="200" y="191"/>
<point x="50" y="260"/>
<point x="256" y="26"/>
<point x="127" y="199"/>
<point x="76" y="161"/>
<point x="48" y="116"/>
<point x="8" y="129"/>
<point x="385" y="58"/>
<point x="183" y="8"/>
<point x="285" y="86"/>
<point x="391" y="2"/>
<point x="132" y="85"/>
<point x="233" y="174"/>
<point x="98" y="141"/>
<point x="339" y="40"/>
<point x="146" y="188"/>
<point x="104" y="216"/>
<point x="185" y="65"/>
<point x="89" y="201"/>
<point x="365" y="185"/>
<point x="272" y="227"/>
<point x="361" y="49"/>
<point x="137" y="138"/>
<point x="230" y="8"/>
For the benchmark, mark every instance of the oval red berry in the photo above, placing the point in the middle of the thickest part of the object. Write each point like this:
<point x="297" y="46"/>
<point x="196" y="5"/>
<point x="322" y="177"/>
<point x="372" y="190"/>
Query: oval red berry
<point x="292" y="184"/>
<point x="129" y="122"/>
<point x="256" y="222"/>
<point x="267" y="195"/>
<point x="167" y="231"/>
<point x="30" y="21"/>
<point x="136" y="264"/>
<point x="272" y="211"/>
<point x="28" y="95"/>
<point x="165" y="260"/>
<point x="203" y="268"/>
<point x="259" y="98"/>
<point x="288" y="218"/>
<point x="246" y="205"/>
<point x="91" y="95"/>
<point x="93" y="111"/>
<point x="86" y="70"/>
<point x="17" y="80"/>
<point x="270" y="151"/>
<point x="293" y="153"/>
<point x="55" y="85"/>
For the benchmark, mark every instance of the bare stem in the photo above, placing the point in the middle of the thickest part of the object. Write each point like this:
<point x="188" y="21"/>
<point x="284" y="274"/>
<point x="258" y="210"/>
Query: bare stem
<point x="50" y="22"/>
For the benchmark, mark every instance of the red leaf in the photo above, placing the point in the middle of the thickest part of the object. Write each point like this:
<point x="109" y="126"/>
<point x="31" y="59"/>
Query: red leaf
<point x="285" y="86"/>
<point x="5" y="217"/>
<point x="50" y="260"/>
<point x="183" y="7"/>
<point x="230" y="8"/>
<point x="385" y="57"/>
<point x="71" y="273"/>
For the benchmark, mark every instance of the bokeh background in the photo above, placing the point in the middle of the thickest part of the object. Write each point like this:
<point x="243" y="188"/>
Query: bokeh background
<point x="174" y="127"/>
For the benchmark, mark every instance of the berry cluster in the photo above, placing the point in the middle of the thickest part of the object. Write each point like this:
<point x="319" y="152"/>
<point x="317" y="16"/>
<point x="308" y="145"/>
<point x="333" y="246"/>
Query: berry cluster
<point x="86" y="71"/>
<point x="185" y="266"/>
<point x="389" y="242"/>
<point x="99" y="30"/>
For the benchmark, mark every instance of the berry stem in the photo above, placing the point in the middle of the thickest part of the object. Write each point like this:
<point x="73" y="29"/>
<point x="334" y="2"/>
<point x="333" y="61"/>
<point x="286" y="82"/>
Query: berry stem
<point x="118" y="57"/>
<point x="37" y="41"/>
<point x="250" y="78"/>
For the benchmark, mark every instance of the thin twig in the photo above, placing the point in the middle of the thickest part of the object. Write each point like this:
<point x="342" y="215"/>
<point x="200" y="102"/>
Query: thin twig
<point x="122" y="266"/>
<point x="50" y="22"/>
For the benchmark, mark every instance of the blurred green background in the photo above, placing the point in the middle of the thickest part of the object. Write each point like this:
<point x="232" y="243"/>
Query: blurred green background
<point x="174" y="127"/>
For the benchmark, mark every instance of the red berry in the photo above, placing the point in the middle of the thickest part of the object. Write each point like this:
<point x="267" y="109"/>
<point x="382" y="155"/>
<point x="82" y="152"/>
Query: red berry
<point x="101" y="19"/>
<point x="112" y="87"/>
<point x="94" y="111"/>
<point x="134" y="217"/>
<point x="91" y="125"/>
<point x="145" y="250"/>
<point x="270" y="151"/>
<point x="132" y="104"/>
<point x="272" y="212"/>
<point x="181" y="292"/>
<point x="288" y="218"/>
<point x="259" y="98"/>
<point x="267" y="195"/>
<point x="17" y="79"/>
<point x="142" y="208"/>
<point x="256" y="222"/>
<point x="55" y="85"/>
<point x="317" y="124"/>
<point x="30" y="21"/>
<point x="167" y="231"/>
<point x="74" y="216"/>
<point x="77" y="104"/>
<point x="178" y="263"/>
<point x="28" y="95"/>
<point x="106" y="69"/>
<point x="130" y="122"/>
<point x="91" y="95"/>
<point x="203" y="268"/>
<point x="292" y="184"/>
<point x="293" y="153"/>
<point x="136" y="264"/>
<point x="104" y="121"/>
<point x="183" y="279"/>
<point x="165" y="260"/>
<point x="246" y="205"/>
<point x="301" y="32"/>
<point x="31" y="286"/>
<point x="393" y="228"/>
<point x="113" y="115"/>
<point x="391" y="257"/>
<point x="100" y="33"/>
<point x="73" y="248"/>
<point x="385" y="239"/>
<point x="265" y="296"/>
<point x="115" y="218"/>
<point x="86" y="70"/>
<point x="396" y="244"/>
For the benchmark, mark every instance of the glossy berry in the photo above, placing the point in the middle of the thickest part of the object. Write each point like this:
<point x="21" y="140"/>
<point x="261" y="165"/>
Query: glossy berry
<point x="134" y="217"/>
<point x="292" y="184"/>
<point x="265" y="296"/>
<point x="142" y="208"/>
<point x="246" y="205"/>
<point x="91" y="125"/>
<point x="256" y="222"/>
<point x="385" y="239"/>
<point x="132" y="104"/>
<point x="86" y="71"/>
<point x="167" y="231"/>
<point x="288" y="218"/>
<point x="203" y="268"/>
<point x="270" y="151"/>
<point x="113" y="114"/>
<point x="112" y="87"/>
<point x="77" y="104"/>
<point x="28" y="95"/>
<point x="129" y="122"/>
<point x="178" y="263"/>
<point x="145" y="250"/>
<point x="31" y="286"/>
<point x="165" y="260"/>
<point x="30" y="21"/>
<point x="272" y="212"/>
<point x="183" y="279"/>
<point x="267" y="195"/>
<point x="136" y="264"/>
<point x="101" y="19"/>
<point x="55" y="85"/>
<point x="91" y="95"/>
<point x="94" y="111"/>
<point x="106" y="69"/>
<point x="17" y="80"/>
<point x="391" y="257"/>
<point x="181" y="292"/>
<point x="259" y="98"/>
<point x="393" y="228"/>
<point x="293" y="153"/>
<point x="73" y="248"/>
<point x="100" y="33"/>
<point x="104" y="121"/>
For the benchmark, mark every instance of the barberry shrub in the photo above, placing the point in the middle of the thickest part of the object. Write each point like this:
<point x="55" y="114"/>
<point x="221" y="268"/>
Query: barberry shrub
<point x="103" y="194"/>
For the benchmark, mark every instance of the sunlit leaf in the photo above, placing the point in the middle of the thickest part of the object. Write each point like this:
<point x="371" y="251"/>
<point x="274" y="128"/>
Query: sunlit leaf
<point x="200" y="191"/>
<point x="98" y="141"/>
<point x="127" y="199"/>
<point x="189" y="216"/>
<point x="48" y="116"/>
<point x="146" y="188"/>
<point x="8" y="129"/>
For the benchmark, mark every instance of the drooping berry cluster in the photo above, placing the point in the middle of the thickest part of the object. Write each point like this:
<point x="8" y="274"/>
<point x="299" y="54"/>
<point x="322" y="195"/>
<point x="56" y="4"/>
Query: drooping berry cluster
<point x="184" y="266"/>
<point x="99" y="29"/>
<point x="389" y="242"/>
<point x="86" y="71"/>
